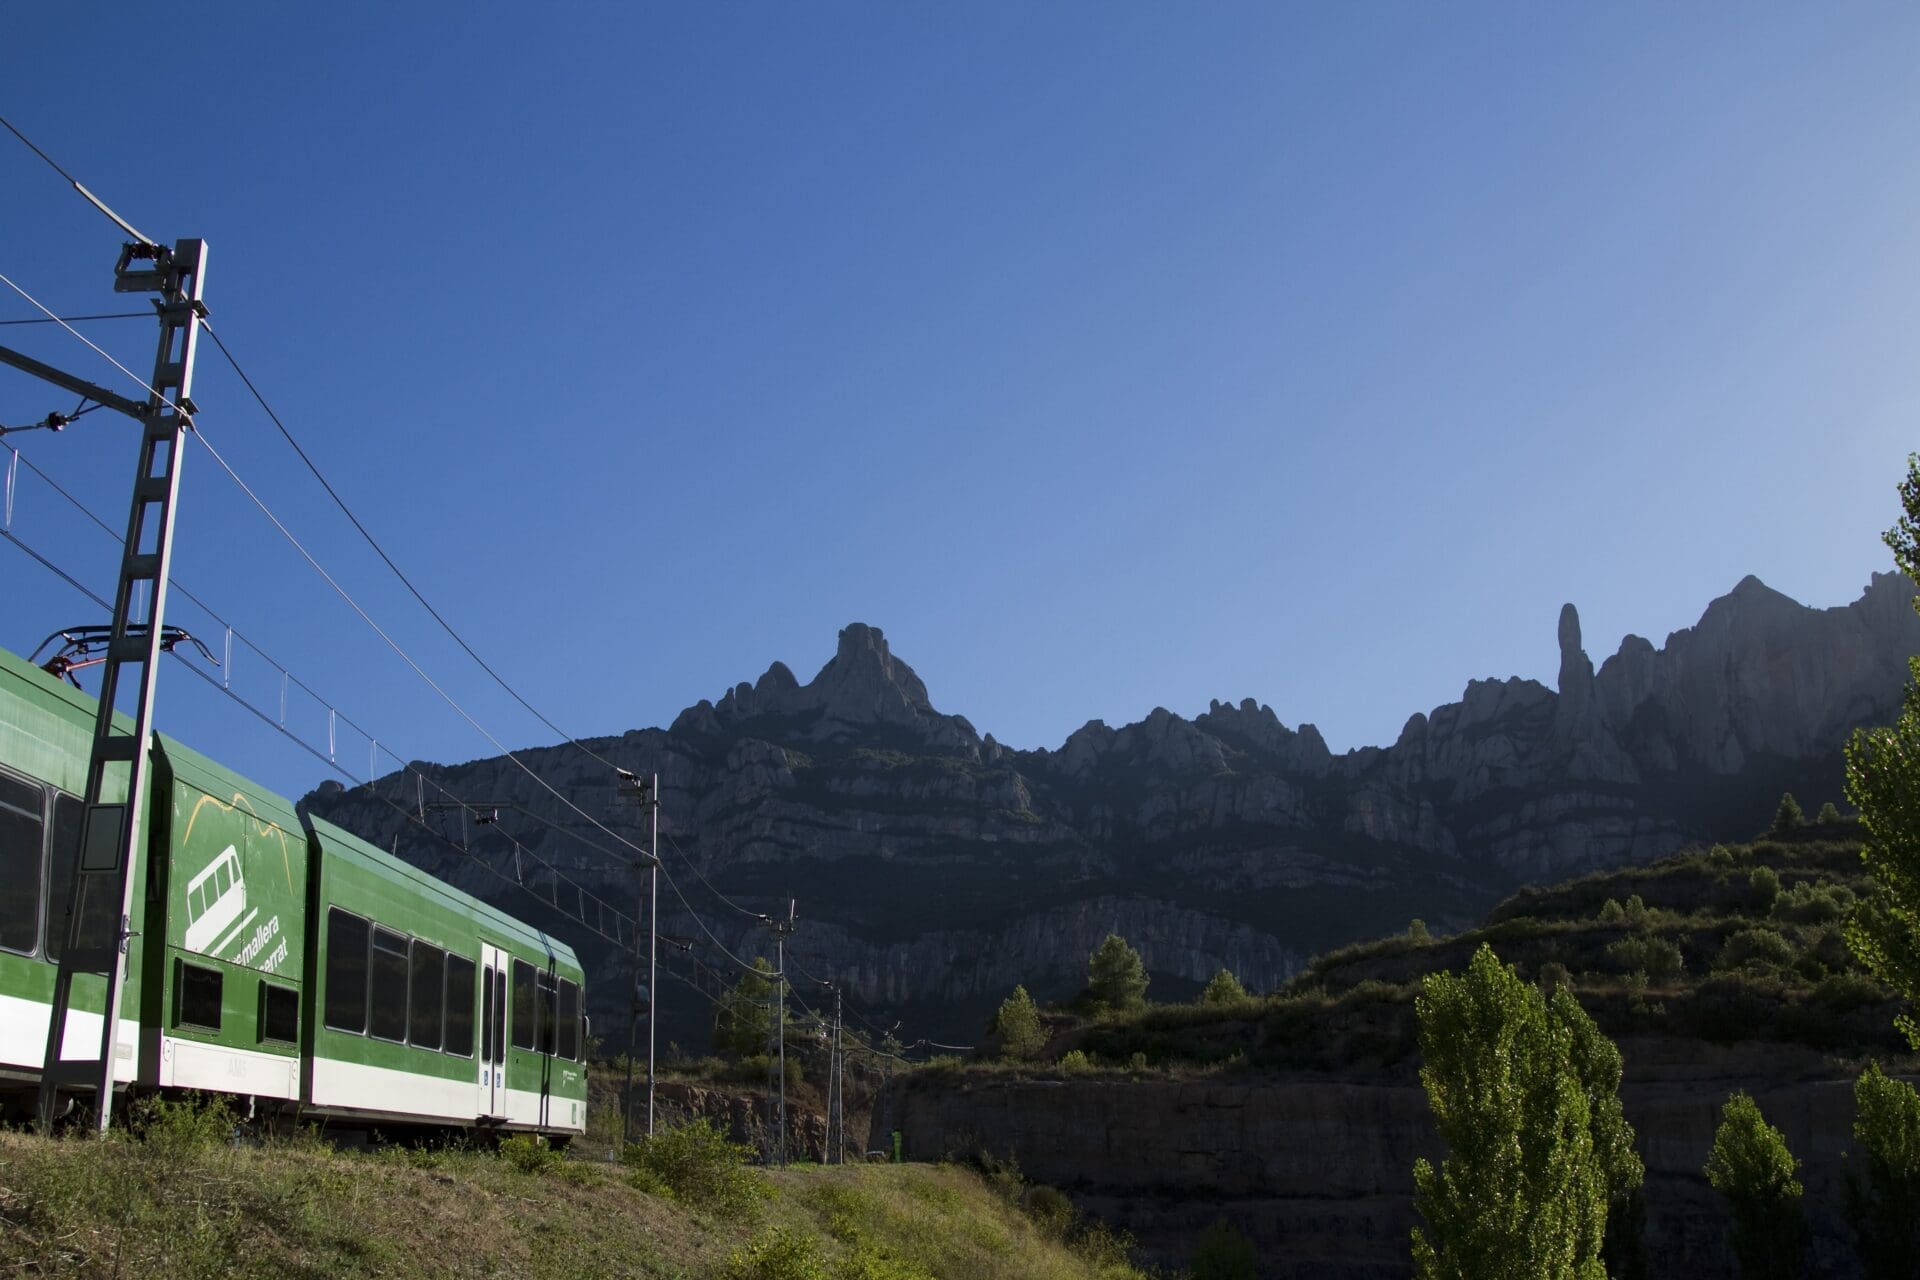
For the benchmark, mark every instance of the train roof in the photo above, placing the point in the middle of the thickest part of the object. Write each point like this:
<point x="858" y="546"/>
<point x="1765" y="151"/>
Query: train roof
<point x="23" y="680"/>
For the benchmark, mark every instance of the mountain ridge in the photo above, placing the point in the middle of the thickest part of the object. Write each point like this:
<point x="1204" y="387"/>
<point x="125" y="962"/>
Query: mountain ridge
<point x="937" y="867"/>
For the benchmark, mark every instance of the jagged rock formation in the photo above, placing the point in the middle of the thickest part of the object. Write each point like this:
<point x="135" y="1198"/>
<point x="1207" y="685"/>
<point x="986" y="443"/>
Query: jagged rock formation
<point x="936" y="867"/>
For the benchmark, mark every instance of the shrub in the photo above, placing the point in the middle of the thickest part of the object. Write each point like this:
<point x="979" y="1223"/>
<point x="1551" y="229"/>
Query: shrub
<point x="1417" y="932"/>
<point x="780" y="1254"/>
<point x="696" y="1163"/>
<point x="1828" y="814"/>
<point x="1765" y="884"/>
<point x="1658" y="958"/>
<point x="1050" y="1210"/>
<point x="1761" y="946"/>
<point x="1222" y="1254"/>
<point x="529" y="1153"/>
<point x="1555" y="976"/>
<point x="178" y="1126"/>
<point x="1611" y="912"/>
<point x="1075" y="1062"/>
<point x="1811" y="904"/>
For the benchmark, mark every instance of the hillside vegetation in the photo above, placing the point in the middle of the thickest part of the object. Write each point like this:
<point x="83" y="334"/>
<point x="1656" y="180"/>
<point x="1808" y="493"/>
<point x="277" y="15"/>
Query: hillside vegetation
<point x="1725" y="944"/>
<point x="177" y="1200"/>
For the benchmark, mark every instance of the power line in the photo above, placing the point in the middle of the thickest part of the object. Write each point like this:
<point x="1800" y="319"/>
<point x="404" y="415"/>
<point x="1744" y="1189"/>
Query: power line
<point x="108" y="315"/>
<point x="448" y="627"/>
<point x="367" y="618"/>
<point x="74" y="182"/>
<point x="559" y="877"/>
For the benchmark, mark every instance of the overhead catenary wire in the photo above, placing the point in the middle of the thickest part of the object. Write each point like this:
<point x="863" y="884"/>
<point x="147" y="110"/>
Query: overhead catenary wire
<point x="439" y="618"/>
<point x="603" y="908"/>
<point x="108" y="315"/>
<point x="340" y="502"/>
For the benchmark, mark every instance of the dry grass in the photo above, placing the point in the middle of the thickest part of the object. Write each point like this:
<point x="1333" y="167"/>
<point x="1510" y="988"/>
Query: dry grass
<point x="136" y="1208"/>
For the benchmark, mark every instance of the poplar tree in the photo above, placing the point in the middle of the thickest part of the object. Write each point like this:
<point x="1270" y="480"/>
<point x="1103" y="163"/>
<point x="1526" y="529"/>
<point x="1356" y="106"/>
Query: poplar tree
<point x="1883" y="1198"/>
<point x="1521" y="1193"/>
<point x="1883" y="783"/>
<point x="1752" y="1169"/>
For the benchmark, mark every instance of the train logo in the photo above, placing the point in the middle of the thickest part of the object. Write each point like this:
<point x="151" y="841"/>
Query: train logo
<point x="217" y="904"/>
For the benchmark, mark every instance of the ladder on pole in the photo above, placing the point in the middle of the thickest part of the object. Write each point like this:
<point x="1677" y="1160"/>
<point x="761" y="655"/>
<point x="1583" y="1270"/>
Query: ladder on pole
<point x="98" y="927"/>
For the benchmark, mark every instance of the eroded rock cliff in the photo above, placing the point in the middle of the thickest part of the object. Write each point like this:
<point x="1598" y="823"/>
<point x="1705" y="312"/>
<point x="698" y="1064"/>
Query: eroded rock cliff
<point x="936" y="867"/>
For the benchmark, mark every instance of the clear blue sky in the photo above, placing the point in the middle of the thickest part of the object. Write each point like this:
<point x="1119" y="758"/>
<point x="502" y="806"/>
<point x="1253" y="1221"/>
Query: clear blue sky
<point x="1107" y="356"/>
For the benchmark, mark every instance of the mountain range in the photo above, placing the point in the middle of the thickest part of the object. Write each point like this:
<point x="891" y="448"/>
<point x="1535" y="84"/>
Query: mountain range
<point x="934" y="867"/>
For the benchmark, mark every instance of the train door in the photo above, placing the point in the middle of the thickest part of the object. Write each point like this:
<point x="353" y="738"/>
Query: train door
<point x="493" y="1032"/>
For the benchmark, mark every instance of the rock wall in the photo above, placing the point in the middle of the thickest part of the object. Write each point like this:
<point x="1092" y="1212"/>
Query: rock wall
<point x="935" y="868"/>
<point x="1318" y="1172"/>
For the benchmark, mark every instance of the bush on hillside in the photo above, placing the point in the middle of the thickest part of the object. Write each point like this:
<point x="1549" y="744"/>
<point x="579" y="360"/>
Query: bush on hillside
<point x="697" y="1163"/>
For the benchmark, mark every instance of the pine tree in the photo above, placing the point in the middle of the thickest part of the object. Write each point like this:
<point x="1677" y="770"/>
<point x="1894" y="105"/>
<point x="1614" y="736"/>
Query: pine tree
<point x="1018" y="1026"/>
<point x="1521" y="1192"/>
<point x="1116" y="980"/>
<point x="1788" y="816"/>
<point x="741" y="1021"/>
<point x="1752" y="1169"/>
<point x="1224" y="988"/>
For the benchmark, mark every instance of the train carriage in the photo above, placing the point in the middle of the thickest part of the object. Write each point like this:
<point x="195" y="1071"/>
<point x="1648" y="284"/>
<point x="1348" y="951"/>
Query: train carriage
<point x="274" y="956"/>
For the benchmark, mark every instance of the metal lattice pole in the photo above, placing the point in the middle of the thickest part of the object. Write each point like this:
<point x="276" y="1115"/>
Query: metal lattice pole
<point x="99" y="923"/>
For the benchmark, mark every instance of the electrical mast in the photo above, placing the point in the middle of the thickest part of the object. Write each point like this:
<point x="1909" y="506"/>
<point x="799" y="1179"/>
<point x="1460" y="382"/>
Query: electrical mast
<point x="98" y="925"/>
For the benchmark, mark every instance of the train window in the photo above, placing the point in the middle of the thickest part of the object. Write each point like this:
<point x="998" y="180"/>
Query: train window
<point x="387" y="981"/>
<point x="459" y="1006"/>
<point x="199" y="993"/>
<point x="96" y="928"/>
<point x="569" y="1044"/>
<point x="428" y="983"/>
<point x="548" y="994"/>
<point x="346" y="971"/>
<point x="523" y="1003"/>
<point x="279" y="1013"/>
<point x="22" y="862"/>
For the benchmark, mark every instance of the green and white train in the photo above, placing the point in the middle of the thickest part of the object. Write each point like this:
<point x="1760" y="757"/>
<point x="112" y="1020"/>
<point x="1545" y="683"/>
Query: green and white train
<point x="273" y="956"/>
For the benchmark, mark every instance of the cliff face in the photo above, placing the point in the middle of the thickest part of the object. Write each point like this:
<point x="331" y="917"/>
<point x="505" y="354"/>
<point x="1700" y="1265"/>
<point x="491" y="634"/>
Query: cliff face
<point x="1318" y="1173"/>
<point x="935" y="868"/>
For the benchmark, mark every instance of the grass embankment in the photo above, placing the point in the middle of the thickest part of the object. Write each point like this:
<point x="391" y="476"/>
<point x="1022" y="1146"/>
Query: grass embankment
<point x="178" y="1201"/>
<point x="1736" y="943"/>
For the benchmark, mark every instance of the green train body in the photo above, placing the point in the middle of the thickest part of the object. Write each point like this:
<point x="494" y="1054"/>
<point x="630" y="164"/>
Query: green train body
<point x="274" y="956"/>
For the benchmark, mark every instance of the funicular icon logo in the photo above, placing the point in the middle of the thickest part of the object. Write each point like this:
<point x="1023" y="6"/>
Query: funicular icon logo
<point x="217" y="904"/>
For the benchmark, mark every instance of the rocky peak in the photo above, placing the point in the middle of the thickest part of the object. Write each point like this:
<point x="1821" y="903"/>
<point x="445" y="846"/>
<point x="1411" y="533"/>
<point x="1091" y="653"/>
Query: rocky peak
<point x="862" y="688"/>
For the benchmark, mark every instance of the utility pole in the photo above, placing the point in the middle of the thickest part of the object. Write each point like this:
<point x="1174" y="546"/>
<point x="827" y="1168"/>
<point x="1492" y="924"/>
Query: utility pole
<point x="99" y="923"/>
<point x="837" y="1090"/>
<point x="648" y="792"/>
<point x="781" y="929"/>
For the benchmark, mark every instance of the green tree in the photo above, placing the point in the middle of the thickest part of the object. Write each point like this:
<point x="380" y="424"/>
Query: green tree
<point x="1788" y="816"/>
<point x="1018" y="1026"/>
<point x="1752" y="1170"/>
<point x="742" y="1021"/>
<point x="1222" y="1254"/>
<point x="1883" y="783"/>
<point x="1764" y="882"/>
<point x="1417" y="932"/>
<point x="1116" y="979"/>
<point x="1596" y="1063"/>
<point x="1521" y="1193"/>
<point x="1828" y="813"/>
<point x="1224" y="988"/>
<point x="1883" y="1201"/>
